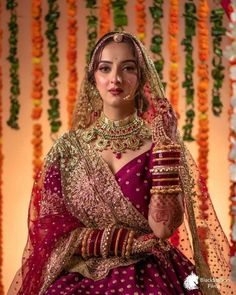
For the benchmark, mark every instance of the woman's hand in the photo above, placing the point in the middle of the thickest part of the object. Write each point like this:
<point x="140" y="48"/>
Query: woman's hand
<point x="164" y="125"/>
<point x="165" y="214"/>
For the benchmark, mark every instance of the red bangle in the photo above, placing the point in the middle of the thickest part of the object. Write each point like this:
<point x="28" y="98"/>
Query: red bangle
<point x="113" y="242"/>
<point x="98" y="243"/>
<point x="175" y="154"/>
<point x="165" y="183"/>
<point x="163" y="162"/>
<point x="91" y="242"/>
<point x="165" y="175"/>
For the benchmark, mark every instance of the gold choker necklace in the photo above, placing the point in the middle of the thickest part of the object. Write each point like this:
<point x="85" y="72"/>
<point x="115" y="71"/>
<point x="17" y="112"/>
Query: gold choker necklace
<point x="119" y="136"/>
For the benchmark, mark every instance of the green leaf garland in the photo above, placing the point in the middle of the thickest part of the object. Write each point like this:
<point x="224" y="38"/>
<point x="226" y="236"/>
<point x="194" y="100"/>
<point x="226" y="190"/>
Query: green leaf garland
<point x="92" y="25"/>
<point x="217" y="73"/>
<point x="157" y="39"/>
<point x="52" y="18"/>
<point x="119" y="16"/>
<point x="13" y="59"/>
<point x="190" y="32"/>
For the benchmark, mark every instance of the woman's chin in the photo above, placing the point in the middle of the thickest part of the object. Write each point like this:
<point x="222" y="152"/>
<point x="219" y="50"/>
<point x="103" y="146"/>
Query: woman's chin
<point x="117" y="100"/>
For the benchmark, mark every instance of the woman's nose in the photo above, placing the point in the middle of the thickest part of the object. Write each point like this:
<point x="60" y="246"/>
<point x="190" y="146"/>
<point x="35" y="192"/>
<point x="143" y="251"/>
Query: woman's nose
<point x="116" y="77"/>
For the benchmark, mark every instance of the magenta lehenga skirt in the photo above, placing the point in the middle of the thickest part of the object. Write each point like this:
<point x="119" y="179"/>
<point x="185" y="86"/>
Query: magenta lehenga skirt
<point x="148" y="276"/>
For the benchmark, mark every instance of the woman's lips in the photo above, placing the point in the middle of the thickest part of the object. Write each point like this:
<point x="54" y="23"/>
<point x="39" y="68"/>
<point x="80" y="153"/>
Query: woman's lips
<point x="115" y="91"/>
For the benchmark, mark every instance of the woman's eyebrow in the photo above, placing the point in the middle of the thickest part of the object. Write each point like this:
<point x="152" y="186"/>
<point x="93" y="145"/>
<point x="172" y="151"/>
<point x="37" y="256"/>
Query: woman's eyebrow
<point x="123" y="61"/>
<point x="128" y="60"/>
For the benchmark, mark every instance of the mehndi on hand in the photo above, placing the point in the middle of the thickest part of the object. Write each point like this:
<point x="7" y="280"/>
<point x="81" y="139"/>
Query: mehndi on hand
<point x="164" y="125"/>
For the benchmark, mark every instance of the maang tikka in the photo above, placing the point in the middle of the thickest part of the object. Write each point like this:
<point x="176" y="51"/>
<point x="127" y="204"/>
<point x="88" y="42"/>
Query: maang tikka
<point x="118" y="37"/>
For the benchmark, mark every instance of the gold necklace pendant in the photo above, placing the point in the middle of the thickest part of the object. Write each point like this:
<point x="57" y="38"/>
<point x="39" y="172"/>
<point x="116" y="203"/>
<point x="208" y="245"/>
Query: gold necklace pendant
<point x="119" y="136"/>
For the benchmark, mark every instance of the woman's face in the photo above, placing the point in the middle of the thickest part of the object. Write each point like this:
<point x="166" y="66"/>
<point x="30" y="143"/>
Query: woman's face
<point x="116" y="76"/>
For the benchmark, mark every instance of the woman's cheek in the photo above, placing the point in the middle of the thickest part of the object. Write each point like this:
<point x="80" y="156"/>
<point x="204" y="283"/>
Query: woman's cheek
<point x="133" y="80"/>
<point x="101" y="81"/>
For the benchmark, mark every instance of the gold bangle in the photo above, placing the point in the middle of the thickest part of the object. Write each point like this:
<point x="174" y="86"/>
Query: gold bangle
<point x="129" y="244"/>
<point x="95" y="244"/>
<point x="88" y="242"/>
<point x="166" y="151"/>
<point x="167" y="158"/>
<point x="163" y="169"/>
<point x="165" y="179"/>
<point x="124" y="245"/>
<point x="164" y="148"/>
<point x="84" y="241"/>
<point x="106" y="240"/>
<point x="170" y="189"/>
<point x="117" y="241"/>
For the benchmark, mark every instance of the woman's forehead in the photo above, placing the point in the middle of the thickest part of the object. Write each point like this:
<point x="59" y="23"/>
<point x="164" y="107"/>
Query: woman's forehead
<point x="117" y="51"/>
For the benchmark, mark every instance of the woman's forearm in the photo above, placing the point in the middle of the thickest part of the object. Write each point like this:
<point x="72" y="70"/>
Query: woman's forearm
<point x="165" y="214"/>
<point x="110" y="241"/>
<point x="166" y="206"/>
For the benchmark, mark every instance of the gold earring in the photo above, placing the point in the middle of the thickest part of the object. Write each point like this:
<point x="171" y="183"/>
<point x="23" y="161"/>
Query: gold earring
<point x="140" y="107"/>
<point x="96" y="100"/>
<point x="139" y="101"/>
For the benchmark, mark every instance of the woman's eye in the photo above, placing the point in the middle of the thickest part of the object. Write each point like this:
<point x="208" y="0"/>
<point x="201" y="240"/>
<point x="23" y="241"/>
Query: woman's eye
<point x="104" y="69"/>
<point x="129" y="68"/>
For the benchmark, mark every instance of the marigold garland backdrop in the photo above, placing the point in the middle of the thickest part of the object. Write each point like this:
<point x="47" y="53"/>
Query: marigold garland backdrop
<point x="44" y="45"/>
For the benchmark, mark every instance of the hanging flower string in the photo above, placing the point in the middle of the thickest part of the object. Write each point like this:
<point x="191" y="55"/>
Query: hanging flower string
<point x="92" y="23"/>
<point x="13" y="59"/>
<point x="140" y="19"/>
<point x="217" y="31"/>
<point x="54" y="103"/>
<point x="37" y="87"/>
<point x="190" y="31"/>
<point x="1" y="162"/>
<point x="71" y="58"/>
<point x="157" y="37"/>
<point x="105" y="17"/>
<point x="120" y="18"/>
<point x="174" y="56"/>
<point x="230" y="54"/>
<point x="202" y="88"/>
<point x="173" y="30"/>
<point x="203" y="128"/>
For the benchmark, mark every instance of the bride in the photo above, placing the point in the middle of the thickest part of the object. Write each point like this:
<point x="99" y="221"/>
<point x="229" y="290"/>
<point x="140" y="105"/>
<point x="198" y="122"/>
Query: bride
<point x="116" y="188"/>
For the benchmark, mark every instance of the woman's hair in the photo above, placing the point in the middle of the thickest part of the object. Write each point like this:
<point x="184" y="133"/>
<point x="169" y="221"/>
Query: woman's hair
<point x="139" y="60"/>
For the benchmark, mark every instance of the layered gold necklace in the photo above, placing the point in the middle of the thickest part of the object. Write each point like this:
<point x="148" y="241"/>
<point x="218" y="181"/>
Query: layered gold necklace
<point x="119" y="136"/>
